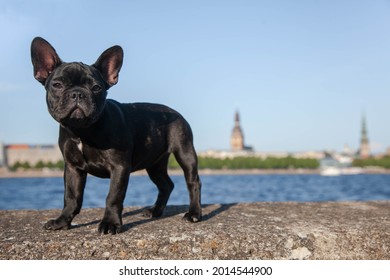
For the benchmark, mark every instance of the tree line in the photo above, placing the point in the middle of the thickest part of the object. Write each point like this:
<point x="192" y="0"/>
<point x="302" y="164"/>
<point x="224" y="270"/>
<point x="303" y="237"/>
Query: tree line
<point x="288" y="162"/>
<point x="208" y="163"/>
<point x="39" y="165"/>
<point x="383" y="162"/>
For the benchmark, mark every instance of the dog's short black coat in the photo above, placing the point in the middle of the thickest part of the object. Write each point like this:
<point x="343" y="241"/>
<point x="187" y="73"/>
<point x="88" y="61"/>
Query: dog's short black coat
<point x="109" y="139"/>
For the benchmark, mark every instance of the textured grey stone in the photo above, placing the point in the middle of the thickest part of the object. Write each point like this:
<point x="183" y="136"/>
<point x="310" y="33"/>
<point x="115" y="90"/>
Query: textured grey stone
<point x="326" y="230"/>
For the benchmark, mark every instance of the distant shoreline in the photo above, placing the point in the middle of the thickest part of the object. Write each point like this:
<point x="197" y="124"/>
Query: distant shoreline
<point x="50" y="173"/>
<point x="57" y="173"/>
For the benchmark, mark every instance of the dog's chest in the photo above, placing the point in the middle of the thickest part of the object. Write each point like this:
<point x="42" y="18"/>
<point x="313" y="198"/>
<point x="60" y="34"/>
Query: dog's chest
<point x="87" y="152"/>
<point x="80" y="146"/>
<point x="92" y="160"/>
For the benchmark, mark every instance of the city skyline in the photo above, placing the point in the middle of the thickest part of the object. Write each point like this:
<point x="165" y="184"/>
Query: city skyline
<point x="301" y="74"/>
<point x="15" y="155"/>
<point x="238" y="143"/>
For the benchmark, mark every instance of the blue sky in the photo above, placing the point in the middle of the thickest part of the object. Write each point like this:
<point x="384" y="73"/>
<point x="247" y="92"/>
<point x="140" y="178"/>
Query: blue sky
<point x="301" y="73"/>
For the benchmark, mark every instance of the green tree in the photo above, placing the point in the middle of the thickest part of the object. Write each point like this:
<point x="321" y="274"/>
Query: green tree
<point x="39" y="165"/>
<point x="60" y="165"/>
<point x="383" y="162"/>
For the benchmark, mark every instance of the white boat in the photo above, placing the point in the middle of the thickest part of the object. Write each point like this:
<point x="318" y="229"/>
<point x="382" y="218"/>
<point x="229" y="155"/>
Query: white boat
<point x="330" y="171"/>
<point x="330" y="166"/>
<point x="336" y="171"/>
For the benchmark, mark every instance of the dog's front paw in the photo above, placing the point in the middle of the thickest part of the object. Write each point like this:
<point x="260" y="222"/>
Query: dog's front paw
<point x="192" y="217"/>
<point x="106" y="227"/>
<point x="57" y="224"/>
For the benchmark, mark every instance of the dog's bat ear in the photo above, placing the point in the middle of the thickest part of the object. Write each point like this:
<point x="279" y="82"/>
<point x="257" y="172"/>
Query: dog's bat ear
<point x="44" y="59"/>
<point x="109" y="64"/>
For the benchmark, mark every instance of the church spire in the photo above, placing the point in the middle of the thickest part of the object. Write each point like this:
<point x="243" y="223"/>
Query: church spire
<point x="364" y="129"/>
<point x="237" y="138"/>
<point x="237" y="118"/>
<point x="364" y="151"/>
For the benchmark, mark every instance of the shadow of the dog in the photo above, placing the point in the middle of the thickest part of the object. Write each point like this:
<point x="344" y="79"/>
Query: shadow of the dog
<point x="170" y="211"/>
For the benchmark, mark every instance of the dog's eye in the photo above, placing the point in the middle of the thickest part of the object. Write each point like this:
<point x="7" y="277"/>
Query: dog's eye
<point x="57" y="85"/>
<point x="96" y="88"/>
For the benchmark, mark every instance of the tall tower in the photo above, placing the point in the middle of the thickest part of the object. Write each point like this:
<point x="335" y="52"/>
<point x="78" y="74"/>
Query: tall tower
<point x="364" y="151"/>
<point x="2" y="155"/>
<point x="237" y="138"/>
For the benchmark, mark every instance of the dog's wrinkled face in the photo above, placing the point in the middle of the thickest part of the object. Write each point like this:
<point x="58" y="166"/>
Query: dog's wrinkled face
<point x="75" y="92"/>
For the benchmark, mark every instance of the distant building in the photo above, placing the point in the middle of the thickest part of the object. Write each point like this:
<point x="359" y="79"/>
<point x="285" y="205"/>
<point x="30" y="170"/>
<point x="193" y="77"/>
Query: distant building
<point x="239" y="149"/>
<point x="364" y="150"/>
<point x="31" y="154"/>
<point x="2" y="155"/>
<point x="237" y="137"/>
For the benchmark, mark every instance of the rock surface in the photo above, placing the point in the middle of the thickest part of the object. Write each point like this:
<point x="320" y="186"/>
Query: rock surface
<point x="289" y="230"/>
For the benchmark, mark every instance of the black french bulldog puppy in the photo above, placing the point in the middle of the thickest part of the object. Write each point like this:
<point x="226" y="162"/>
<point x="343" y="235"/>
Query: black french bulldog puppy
<point x="108" y="139"/>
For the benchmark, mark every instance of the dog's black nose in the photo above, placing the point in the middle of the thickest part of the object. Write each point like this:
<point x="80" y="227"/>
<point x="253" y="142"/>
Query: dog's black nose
<point x="77" y="95"/>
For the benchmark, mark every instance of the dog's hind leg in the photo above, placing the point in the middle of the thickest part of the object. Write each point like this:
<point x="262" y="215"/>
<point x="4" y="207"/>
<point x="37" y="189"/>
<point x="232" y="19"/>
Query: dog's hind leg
<point x="188" y="160"/>
<point x="158" y="173"/>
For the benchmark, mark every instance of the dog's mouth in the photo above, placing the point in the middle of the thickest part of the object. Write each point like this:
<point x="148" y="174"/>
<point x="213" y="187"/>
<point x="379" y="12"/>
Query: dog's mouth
<point x="76" y="116"/>
<point x="80" y="114"/>
<point x="77" y="113"/>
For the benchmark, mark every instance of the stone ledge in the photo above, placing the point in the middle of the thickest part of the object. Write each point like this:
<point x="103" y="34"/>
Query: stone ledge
<point x="289" y="230"/>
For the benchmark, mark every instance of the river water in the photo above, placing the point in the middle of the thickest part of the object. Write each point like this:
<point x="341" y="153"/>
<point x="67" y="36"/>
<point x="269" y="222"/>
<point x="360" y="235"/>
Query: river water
<point x="47" y="193"/>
